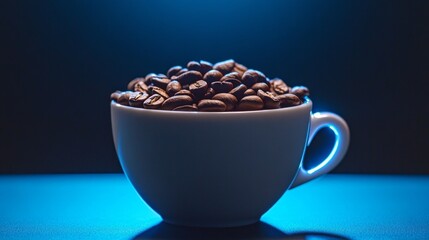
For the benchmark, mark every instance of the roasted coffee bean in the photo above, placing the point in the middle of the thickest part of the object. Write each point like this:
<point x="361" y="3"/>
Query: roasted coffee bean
<point x="205" y="67"/>
<point x="181" y="72"/>
<point x="173" y="71"/>
<point x="123" y="98"/>
<point x="270" y="101"/>
<point x="279" y="86"/>
<point x="228" y="82"/>
<point x="194" y="66"/>
<point x="231" y="75"/>
<point x="185" y="92"/>
<point x="222" y="87"/>
<point x="158" y="90"/>
<point x="289" y="100"/>
<point x="233" y="78"/>
<point x="187" y="108"/>
<point x="249" y="103"/>
<point x="234" y="82"/>
<point x="189" y="77"/>
<point x="238" y="91"/>
<point x="239" y="68"/>
<point x="212" y="76"/>
<point x="210" y="105"/>
<point x="153" y="102"/>
<point x="198" y="88"/>
<point x="114" y="96"/>
<point x="148" y="78"/>
<point x="173" y="87"/>
<point x="133" y="82"/>
<point x="225" y="66"/>
<point x="249" y="78"/>
<point x="301" y="92"/>
<point x="262" y="77"/>
<point x="210" y="93"/>
<point x="161" y="75"/>
<point x="176" y="101"/>
<point x="249" y="92"/>
<point x="160" y="82"/>
<point x="141" y="87"/>
<point x="260" y="86"/>
<point x="137" y="99"/>
<point x="227" y="98"/>
<point x="150" y="89"/>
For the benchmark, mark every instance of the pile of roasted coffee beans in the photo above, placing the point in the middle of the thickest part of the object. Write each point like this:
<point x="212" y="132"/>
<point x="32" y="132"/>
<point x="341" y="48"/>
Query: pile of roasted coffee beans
<point x="201" y="86"/>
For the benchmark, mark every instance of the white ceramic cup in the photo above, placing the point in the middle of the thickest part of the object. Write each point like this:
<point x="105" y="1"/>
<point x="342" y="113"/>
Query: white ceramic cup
<point x="219" y="169"/>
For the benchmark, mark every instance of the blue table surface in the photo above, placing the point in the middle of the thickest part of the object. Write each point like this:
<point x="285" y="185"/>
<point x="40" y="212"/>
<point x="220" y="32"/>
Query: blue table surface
<point x="105" y="206"/>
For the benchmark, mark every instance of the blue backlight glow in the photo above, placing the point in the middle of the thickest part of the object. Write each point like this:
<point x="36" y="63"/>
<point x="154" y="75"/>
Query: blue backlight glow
<point x="331" y="155"/>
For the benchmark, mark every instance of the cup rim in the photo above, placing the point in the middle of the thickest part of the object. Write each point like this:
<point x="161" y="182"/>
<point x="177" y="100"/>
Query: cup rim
<point x="307" y="103"/>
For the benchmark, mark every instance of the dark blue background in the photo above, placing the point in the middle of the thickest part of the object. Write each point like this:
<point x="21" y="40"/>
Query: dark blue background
<point x="60" y="60"/>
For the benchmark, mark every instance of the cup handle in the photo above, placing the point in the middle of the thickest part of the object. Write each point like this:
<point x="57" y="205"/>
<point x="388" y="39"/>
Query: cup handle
<point x="334" y="122"/>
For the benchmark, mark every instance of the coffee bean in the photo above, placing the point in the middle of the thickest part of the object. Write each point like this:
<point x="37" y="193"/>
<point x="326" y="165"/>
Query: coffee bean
<point x="114" y="96"/>
<point x="227" y="98"/>
<point x="187" y="108"/>
<point x="289" y="100"/>
<point x="222" y="87"/>
<point x="249" y="92"/>
<point x="228" y="82"/>
<point x="133" y="82"/>
<point x="301" y="92"/>
<point x="176" y="101"/>
<point x="148" y="78"/>
<point x="238" y="91"/>
<point x="185" y="92"/>
<point x="231" y="75"/>
<point x="158" y="90"/>
<point x="233" y="78"/>
<point x="239" y="68"/>
<point x="209" y="105"/>
<point x="249" y="103"/>
<point x="160" y="82"/>
<point x="194" y="66"/>
<point x="173" y="87"/>
<point x="225" y="66"/>
<point x="249" y="78"/>
<point x="234" y="82"/>
<point x="260" y="86"/>
<point x="173" y="71"/>
<point x="279" y="86"/>
<point x="137" y="99"/>
<point x="189" y="77"/>
<point x="212" y="76"/>
<point x="270" y="101"/>
<point x="153" y="102"/>
<point x="261" y="77"/>
<point x="198" y="88"/>
<point x="123" y="98"/>
<point x="210" y="93"/>
<point x="205" y="67"/>
<point x="180" y="73"/>
<point x="161" y="75"/>
<point x="140" y="87"/>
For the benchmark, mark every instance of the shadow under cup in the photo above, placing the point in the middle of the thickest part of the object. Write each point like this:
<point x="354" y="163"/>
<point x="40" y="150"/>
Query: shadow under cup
<point x="212" y="169"/>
